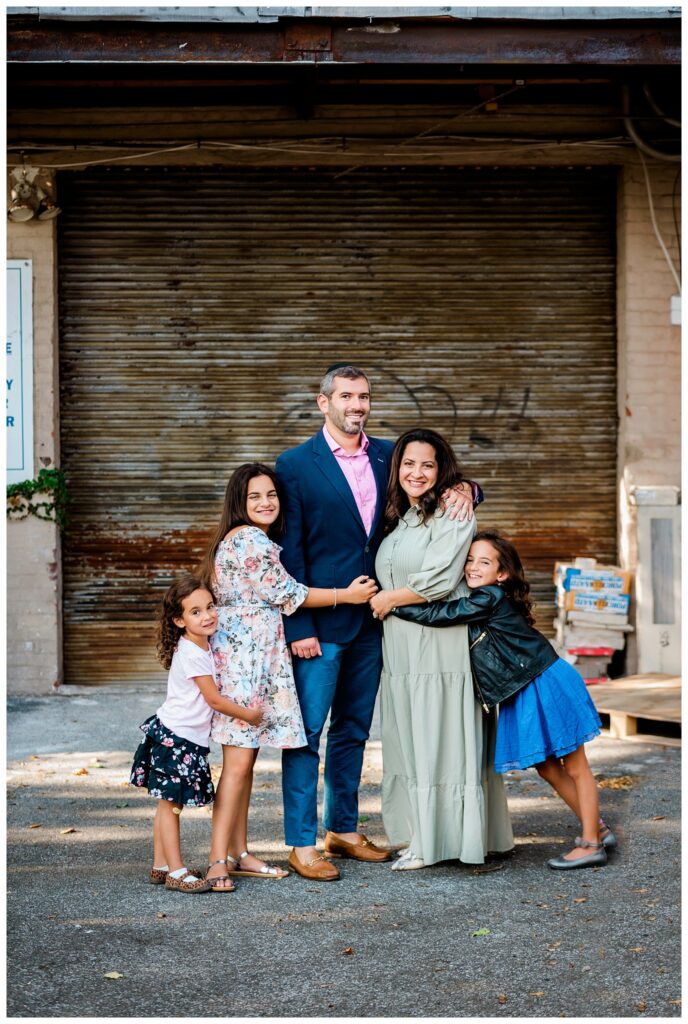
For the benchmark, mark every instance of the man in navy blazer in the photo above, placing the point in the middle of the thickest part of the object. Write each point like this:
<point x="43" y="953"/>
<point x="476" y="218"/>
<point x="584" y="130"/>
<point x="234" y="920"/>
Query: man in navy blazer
<point x="335" y="485"/>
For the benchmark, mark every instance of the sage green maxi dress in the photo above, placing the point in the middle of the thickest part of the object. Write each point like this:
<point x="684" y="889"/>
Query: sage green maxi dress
<point x="439" y="786"/>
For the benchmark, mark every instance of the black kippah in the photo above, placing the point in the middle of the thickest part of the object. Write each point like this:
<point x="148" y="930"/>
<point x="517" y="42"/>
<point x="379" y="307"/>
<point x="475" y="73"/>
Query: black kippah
<point x="336" y="366"/>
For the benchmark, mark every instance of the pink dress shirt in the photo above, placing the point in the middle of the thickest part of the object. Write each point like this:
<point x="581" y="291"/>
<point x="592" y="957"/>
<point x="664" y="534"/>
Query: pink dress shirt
<point x="359" y="476"/>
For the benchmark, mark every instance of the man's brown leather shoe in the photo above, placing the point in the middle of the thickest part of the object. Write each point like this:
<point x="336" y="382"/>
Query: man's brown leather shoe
<point x="318" y="869"/>
<point x="363" y="850"/>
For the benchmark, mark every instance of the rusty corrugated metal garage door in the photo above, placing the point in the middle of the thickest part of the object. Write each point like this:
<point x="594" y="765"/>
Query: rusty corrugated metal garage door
<point x="199" y="308"/>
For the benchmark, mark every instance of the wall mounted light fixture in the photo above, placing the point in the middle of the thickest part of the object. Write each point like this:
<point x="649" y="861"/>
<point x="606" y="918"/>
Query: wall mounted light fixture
<point x="32" y="194"/>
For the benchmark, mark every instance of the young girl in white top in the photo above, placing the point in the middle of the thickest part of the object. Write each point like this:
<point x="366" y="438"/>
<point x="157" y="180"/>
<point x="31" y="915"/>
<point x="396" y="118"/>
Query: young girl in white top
<point x="252" y="661"/>
<point x="172" y="761"/>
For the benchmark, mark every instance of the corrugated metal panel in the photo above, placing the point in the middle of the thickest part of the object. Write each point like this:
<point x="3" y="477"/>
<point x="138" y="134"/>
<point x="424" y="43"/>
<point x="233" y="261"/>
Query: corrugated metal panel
<point x="169" y="14"/>
<point x="269" y="14"/>
<point x="199" y="309"/>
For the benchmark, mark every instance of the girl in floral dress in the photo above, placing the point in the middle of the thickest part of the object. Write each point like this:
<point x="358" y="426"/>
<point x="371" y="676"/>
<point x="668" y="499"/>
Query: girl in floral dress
<point x="252" y="662"/>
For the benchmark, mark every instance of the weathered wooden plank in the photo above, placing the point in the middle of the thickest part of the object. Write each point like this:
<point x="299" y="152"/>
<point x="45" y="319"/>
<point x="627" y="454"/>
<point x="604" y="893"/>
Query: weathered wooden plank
<point x="348" y="123"/>
<point x="655" y="697"/>
<point x="279" y="153"/>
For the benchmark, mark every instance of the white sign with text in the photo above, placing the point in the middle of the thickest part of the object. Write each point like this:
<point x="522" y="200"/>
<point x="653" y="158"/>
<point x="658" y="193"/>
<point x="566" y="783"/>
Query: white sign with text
<point x="19" y="372"/>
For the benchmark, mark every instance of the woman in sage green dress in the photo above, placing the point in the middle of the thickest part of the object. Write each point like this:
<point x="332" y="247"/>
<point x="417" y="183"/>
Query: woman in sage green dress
<point x="440" y="793"/>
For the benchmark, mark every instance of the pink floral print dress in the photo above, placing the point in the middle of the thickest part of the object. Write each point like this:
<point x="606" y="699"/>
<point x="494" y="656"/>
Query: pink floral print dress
<point x="251" y="657"/>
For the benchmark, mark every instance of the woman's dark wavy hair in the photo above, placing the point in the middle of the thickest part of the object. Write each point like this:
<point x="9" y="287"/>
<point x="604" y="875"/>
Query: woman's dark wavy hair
<point x="234" y="512"/>
<point x="168" y="633"/>
<point x="515" y="585"/>
<point x="448" y="474"/>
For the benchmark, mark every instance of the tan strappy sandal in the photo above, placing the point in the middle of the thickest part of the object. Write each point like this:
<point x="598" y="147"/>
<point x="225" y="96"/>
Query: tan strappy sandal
<point x="219" y="878"/>
<point x="267" y="871"/>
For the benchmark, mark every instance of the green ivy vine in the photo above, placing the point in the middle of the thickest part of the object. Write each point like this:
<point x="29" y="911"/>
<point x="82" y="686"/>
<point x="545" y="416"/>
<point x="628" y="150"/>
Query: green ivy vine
<point x="51" y="487"/>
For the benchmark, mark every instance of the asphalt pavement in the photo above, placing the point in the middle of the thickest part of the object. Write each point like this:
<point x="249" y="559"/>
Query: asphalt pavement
<point x="510" y="939"/>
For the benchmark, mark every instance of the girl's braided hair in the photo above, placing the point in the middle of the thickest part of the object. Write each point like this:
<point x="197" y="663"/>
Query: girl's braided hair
<point x="167" y="632"/>
<point x="515" y="585"/>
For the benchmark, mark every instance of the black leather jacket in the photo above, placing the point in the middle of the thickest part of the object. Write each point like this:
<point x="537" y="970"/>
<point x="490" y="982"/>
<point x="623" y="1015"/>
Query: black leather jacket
<point x="506" y="653"/>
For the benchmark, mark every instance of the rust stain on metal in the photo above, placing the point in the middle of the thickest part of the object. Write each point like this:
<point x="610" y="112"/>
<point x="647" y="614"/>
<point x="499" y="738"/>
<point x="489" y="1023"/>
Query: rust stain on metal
<point x="528" y="43"/>
<point x="477" y="42"/>
<point x="165" y="550"/>
<point x="145" y="43"/>
<point x="306" y="37"/>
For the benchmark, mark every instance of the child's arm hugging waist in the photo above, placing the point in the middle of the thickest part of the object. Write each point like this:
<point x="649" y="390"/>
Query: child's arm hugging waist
<point x="215" y="700"/>
<point x="476" y="607"/>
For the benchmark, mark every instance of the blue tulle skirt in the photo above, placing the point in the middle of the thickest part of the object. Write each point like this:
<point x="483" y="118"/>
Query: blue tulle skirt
<point x="552" y="715"/>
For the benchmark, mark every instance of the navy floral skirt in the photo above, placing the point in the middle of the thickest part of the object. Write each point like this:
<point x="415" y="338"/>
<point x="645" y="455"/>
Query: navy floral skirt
<point x="171" y="767"/>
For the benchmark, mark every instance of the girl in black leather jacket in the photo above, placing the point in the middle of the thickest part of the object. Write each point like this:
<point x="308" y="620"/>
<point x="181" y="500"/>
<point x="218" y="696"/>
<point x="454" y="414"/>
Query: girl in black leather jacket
<point x="546" y="714"/>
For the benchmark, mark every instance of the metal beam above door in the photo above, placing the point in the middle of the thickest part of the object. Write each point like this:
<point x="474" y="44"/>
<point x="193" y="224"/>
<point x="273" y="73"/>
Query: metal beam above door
<point x="357" y="41"/>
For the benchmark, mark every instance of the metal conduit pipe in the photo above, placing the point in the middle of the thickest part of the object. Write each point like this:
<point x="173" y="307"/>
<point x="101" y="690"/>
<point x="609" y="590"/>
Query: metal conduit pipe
<point x="640" y="143"/>
<point x="657" y="109"/>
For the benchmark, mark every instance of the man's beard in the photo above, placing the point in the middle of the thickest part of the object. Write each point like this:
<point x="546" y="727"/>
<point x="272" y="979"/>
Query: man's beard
<point x="340" y="423"/>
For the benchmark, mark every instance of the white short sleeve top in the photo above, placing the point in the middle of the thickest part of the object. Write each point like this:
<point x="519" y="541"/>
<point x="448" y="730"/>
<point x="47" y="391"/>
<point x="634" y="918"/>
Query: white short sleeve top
<point x="185" y="711"/>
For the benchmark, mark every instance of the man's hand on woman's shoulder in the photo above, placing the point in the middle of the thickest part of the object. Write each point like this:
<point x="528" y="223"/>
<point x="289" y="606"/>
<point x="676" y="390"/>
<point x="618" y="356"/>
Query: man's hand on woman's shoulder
<point x="458" y="501"/>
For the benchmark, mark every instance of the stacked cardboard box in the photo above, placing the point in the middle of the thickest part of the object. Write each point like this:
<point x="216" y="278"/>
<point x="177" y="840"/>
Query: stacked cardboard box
<point x="593" y="602"/>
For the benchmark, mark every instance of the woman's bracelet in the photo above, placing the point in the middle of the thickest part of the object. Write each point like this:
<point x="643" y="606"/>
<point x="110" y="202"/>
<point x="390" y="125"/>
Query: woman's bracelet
<point x="335" y="598"/>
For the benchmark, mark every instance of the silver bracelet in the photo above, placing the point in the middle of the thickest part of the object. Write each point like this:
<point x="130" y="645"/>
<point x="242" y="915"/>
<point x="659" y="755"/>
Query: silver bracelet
<point x="335" y="598"/>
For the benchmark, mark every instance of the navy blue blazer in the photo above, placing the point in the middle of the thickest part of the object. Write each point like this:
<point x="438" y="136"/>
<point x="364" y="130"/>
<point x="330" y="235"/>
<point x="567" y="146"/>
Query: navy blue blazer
<point x="325" y="543"/>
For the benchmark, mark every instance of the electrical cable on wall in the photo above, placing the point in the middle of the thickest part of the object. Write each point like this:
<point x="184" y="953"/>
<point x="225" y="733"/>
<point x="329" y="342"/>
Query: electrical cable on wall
<point x="677" y="226"/>
<point x="657" y="109"/>
<point x="634" y="134"/>
<point x="496" y="147"/>
<point x="655" y="226"/>
<point x="441" y="124"/>
<point x="113" y="159"/>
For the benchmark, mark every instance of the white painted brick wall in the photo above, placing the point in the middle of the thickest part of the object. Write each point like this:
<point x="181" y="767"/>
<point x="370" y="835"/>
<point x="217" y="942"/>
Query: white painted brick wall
<point x="33" y="607"/>
<point x="648" y="348"/>
<point x="34" y="586"/>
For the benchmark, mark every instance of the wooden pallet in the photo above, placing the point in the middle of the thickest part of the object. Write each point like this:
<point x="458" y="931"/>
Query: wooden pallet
<point x="652" y="696"/>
